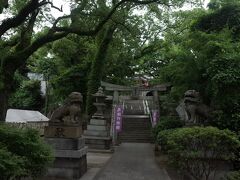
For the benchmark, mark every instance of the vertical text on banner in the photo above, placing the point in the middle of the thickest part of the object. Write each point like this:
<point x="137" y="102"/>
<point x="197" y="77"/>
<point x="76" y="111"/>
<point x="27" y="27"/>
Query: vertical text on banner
<point x="118" y="118"/>
<point x="155" y="117"/>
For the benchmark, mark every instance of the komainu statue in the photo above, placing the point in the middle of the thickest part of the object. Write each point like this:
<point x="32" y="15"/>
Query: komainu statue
<point x="70" y="112"/>
<point x="192" y="110"/>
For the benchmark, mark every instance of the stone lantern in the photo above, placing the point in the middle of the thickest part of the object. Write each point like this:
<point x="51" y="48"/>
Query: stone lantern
<point x="99" y="104"/>
<point x="97" y="135"/>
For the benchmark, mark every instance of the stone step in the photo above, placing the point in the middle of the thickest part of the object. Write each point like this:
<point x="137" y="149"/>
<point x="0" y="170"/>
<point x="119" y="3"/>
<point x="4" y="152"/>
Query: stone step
<point x="129" y="130"/>
<point x="136" y="120"/>
<point x="97" y="146"/>
<point x="143" y="124"/>
<point x="96" y="128"/>
<point x="130" y="112"/>
<point x="98" y="122"/>
<point x="97" y="137"/>
<point x="96" y="133"/>
<point x="141" y="137"/>
<point x="95" y="141"/>
<point x="135" y="135"/>
<point x="135" y="126"/>
<point x="137" y="123"/>
<point x="132" y="139"/>
<point x="137" y="141"/>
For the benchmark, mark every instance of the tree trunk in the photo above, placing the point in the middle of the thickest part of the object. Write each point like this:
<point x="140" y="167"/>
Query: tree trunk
<point x="97" y="68"/>
<point x="4" y="95"/>
<point x="6" y="82"/>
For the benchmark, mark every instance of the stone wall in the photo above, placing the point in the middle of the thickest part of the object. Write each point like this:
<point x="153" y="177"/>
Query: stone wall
<point x="34" y="125"/>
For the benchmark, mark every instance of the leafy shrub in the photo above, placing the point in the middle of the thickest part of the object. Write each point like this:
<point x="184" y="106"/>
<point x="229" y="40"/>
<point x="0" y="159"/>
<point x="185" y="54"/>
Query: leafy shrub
<point x="22" y="153"/>
<point x="162" y="138"/>
<point x="11" y="165"/>
<point x="233" y="176"/>
<point x="166" y="123"/>
<point x="194" y="150"/>
<point x="27" y="96"/>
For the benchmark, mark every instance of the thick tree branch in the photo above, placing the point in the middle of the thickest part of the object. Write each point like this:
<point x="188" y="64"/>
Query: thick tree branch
<point x="81" y="32"/>
<point x="10" y="43"/>
<point x="97" y="28"/>
<point x="17" y="59"/>
<point x="22" y="15"/>
<point x="26" y="34"/>
<point x="59" y="9"/>
<point x="19" y="18"/>
<point x="55" y="32"/>
<point x="50" y="37"/>
<point x="54" y="27"/>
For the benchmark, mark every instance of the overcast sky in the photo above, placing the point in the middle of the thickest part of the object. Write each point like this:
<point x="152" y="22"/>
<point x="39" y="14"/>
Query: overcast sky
<point x="66" y="8"/>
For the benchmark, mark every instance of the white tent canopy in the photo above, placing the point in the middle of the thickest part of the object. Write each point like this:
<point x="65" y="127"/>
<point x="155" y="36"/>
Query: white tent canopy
<point x="24" y="116"/>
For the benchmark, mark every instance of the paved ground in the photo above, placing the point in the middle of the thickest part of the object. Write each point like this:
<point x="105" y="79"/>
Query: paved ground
<point x="132" y="161"/>
<point x="95" y="162"/>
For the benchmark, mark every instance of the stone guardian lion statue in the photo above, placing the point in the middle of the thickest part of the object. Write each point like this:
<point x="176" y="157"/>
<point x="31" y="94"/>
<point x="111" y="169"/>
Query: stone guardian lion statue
<point x="192" y="110"/>
<point x="70" y="112"/>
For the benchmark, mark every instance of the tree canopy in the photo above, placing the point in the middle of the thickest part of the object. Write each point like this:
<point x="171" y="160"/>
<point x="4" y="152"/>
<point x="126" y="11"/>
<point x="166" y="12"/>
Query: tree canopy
<point x="19" y="41"/>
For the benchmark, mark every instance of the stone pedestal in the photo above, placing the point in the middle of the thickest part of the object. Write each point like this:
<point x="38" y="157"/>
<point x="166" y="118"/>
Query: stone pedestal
<point x="63" y="131"/>
<point x="69" y="151"/>
<point x="97" y="135"/>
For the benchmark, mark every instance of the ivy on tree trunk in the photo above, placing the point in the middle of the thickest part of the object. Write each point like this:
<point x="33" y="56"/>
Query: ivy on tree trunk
<point x="97" y="68"/>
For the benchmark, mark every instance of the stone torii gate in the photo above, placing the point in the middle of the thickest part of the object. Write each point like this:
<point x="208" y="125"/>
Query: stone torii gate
<point x="126" y="95"/>
<point x="134" y="91"/>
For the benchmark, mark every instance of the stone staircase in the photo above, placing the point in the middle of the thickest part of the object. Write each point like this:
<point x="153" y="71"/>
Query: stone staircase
<point x="136" y="125"/>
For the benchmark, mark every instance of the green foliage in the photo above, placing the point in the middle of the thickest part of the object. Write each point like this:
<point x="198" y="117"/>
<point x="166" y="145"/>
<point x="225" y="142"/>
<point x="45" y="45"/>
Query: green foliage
<point x="195" y="150"/>
<point x="233" y="176"/>
<point x="27" y="96"/>
<point x="10" y="165"/>
<point x="22" y="153"/>
<point x="97" y="68"/>
<point x="166" y="123"/>
<point x="71" y="80"/>
<point x="205" y="57"/>
<point x="227" y="16"/>
<point x="3" y="4"/>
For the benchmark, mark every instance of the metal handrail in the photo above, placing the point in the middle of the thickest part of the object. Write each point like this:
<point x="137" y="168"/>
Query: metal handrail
<point x="148" y="111"/>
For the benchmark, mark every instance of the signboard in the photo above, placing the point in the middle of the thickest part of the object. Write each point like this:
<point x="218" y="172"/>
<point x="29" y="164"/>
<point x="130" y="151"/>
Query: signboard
<point x="155" y="117"/>
<point x="118" y="118"/>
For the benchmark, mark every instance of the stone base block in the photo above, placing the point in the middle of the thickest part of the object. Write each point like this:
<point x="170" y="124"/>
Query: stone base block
<point x="66" y="143"/>
<point x="103" y="144"/>
<point x="70" y="153"/>
<point x="68" y="168"/>
<point x="63" y="131"/>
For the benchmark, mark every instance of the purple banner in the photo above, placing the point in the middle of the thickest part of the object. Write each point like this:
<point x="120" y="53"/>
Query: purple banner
<point x="118" y="118"/>
<point x="155" y="117"/>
